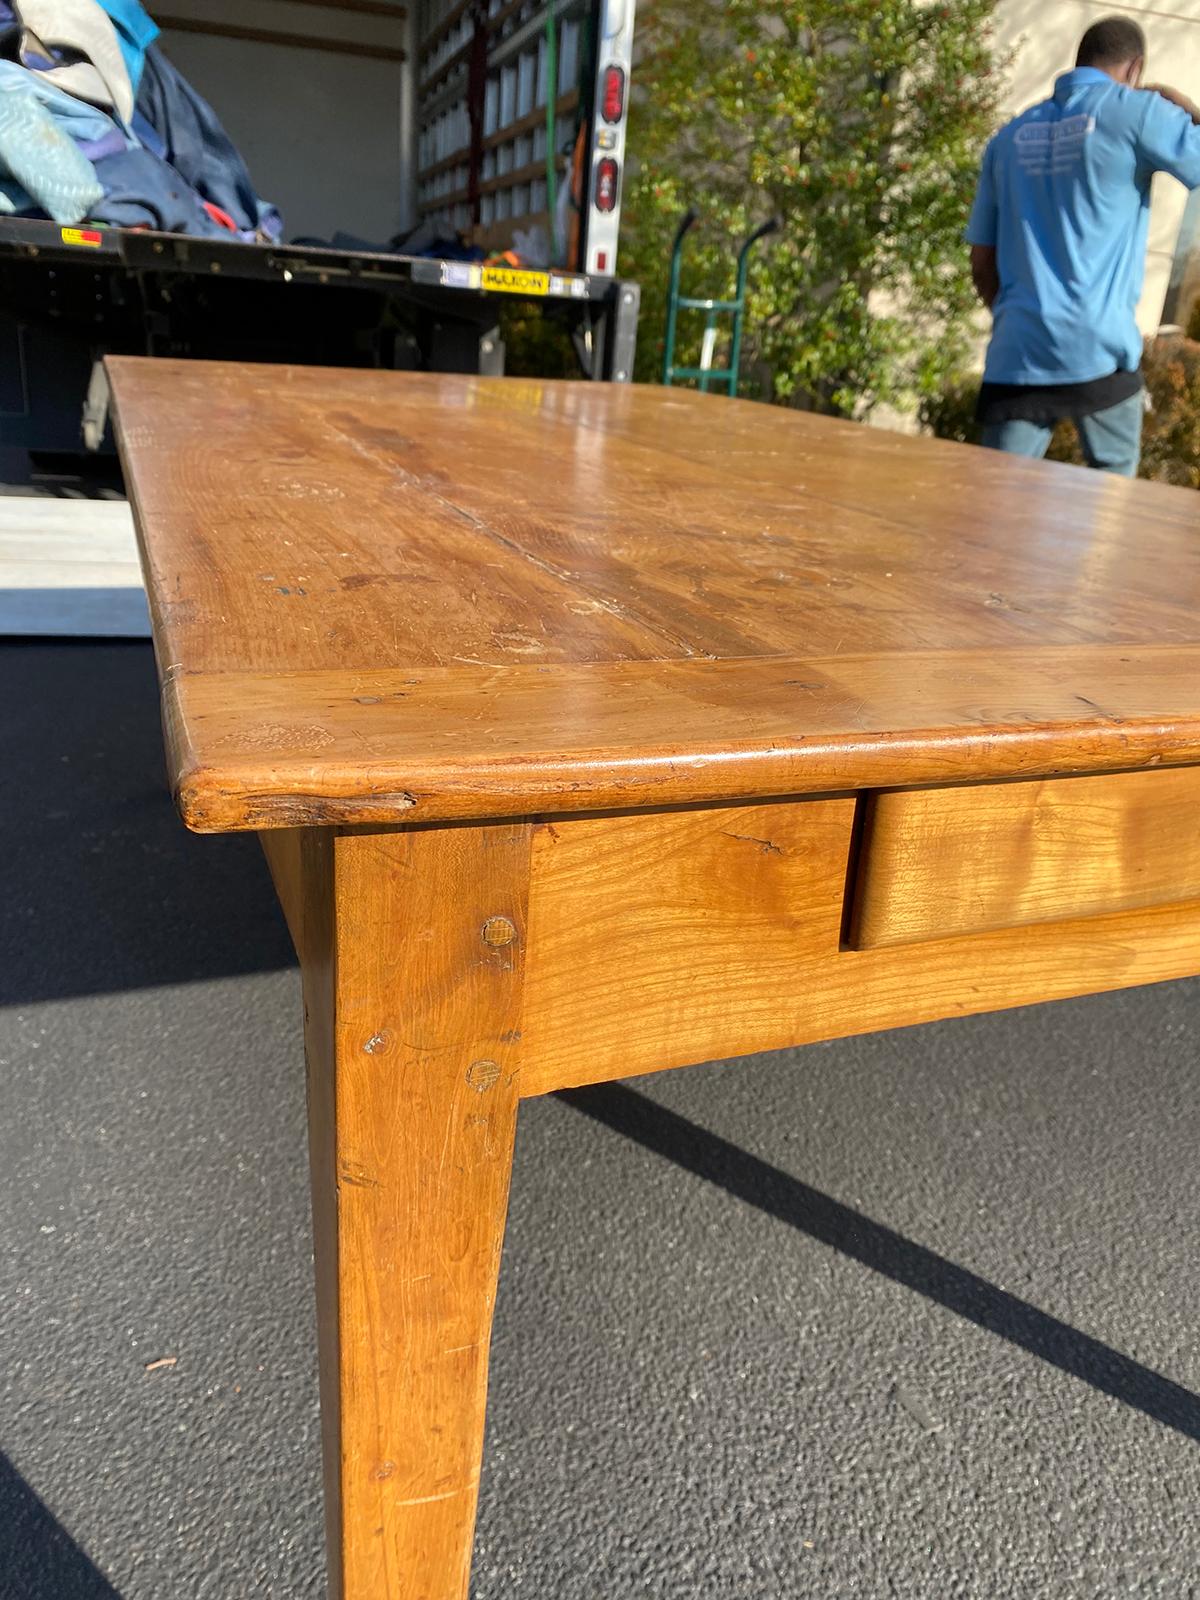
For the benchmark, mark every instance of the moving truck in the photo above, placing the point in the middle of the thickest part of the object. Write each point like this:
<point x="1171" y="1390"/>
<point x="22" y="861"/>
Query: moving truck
<point x="432" y="161"/>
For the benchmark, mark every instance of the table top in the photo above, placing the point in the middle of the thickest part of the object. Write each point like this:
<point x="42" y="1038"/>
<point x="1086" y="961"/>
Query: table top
<point x="383" y="597"/>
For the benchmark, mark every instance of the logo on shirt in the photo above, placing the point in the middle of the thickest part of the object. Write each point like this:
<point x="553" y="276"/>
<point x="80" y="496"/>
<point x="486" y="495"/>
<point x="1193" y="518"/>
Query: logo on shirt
<point x="1047" y="147"/>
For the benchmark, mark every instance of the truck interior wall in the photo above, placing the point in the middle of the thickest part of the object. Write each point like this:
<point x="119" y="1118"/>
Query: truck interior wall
<point x="323" y="131"/>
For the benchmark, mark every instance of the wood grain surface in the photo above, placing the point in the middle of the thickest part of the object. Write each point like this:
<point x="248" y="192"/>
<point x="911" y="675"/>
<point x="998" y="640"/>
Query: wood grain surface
<point x="263" y="750"/>
<point x="283" y="850"/>
<point x="390" y="609"/>
<point x="662" y="939"/>
<point x="413" y="1024"/>
<point x="939" y="862"/>
<point x="688" y="582"/>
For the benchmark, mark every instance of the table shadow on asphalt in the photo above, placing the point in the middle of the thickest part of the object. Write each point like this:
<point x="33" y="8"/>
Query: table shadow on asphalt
<point x="38" y="1558"/>
<point x="880" y="1249"/>
<point x="105" y="890"/>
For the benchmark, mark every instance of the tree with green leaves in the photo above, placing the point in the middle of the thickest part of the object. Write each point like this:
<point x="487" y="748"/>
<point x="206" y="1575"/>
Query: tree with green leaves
<point x="861" y="124"/>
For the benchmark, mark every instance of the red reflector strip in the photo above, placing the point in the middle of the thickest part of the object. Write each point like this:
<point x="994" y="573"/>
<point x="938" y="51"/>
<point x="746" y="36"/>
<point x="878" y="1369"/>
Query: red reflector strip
<point x="606" y="184"/>
<point x="612" y="105"/>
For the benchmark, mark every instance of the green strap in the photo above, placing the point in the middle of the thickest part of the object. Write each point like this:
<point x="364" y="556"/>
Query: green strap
<point x="551" y="115"/>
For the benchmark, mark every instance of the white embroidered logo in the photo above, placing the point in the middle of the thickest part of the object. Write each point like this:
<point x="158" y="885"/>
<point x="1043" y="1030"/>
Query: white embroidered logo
<point x="1050" y="147"/>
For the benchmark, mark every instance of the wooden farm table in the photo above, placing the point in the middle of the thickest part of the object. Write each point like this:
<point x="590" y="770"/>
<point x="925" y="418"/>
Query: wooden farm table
<point x="591" y="731"/>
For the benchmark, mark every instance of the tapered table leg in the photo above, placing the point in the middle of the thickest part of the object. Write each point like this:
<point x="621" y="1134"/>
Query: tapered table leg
<point x="412" y="948"/>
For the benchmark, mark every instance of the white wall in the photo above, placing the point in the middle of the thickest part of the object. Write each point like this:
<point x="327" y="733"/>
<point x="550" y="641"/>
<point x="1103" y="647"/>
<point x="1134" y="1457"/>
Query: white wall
<point x="322" y="132"/>
<point x="1184" y="294"/>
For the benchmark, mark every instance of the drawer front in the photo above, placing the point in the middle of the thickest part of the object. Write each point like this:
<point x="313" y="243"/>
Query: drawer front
<point x="935" y="863"/>
<point x="657" y="939"/>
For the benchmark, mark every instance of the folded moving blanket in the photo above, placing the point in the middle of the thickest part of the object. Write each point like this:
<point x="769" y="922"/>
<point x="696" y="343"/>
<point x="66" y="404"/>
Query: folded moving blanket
<point x="38" y="157"/>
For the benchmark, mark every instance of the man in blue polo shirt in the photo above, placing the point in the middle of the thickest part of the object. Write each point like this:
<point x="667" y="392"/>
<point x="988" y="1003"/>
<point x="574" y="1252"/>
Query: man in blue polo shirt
<point x="1058" y="250"/>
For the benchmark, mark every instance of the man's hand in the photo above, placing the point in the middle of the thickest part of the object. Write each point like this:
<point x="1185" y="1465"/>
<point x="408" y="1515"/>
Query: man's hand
<point x="984" y="273"/>
<point x="1177" y="99"/>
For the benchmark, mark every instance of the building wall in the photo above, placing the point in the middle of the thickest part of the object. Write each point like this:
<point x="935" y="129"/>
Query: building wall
<point x="323" y="131"/>
<point x="1045" y="35"/>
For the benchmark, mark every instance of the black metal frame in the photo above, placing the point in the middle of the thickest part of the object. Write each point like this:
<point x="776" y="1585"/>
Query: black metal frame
<point x="68" y="297"/>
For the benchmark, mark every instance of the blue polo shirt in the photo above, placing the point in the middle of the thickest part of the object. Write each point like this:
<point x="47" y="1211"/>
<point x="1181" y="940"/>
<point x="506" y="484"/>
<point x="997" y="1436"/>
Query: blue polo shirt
<point x="1064" y="196"/>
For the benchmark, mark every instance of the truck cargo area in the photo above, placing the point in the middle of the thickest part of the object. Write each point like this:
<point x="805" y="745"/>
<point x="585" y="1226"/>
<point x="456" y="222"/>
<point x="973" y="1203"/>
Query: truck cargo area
<point x="433" y="164"/>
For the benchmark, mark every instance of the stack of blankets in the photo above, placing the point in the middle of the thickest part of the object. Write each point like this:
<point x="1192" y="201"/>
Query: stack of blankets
<point x="97" y="126"/>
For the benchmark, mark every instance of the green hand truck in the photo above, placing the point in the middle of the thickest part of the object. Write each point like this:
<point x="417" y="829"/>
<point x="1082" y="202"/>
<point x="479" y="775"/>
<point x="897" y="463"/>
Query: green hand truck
<point x="736" y="308"/>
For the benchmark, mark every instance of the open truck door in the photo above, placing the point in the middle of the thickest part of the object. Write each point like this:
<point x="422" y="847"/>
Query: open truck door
<point x="504" y="93"/>
<point x="604" y="131"/>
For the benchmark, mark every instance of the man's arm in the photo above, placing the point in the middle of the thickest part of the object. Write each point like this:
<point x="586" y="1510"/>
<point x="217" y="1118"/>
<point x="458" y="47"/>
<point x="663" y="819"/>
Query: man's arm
<point x="1177" y="98"/>
<point x="1168" y="139"/>
<point x="984" y="273"/>
<point x="982" y="231"/>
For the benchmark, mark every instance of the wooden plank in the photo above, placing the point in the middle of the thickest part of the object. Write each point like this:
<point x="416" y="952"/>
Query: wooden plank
<point x="413" y="955"/>
<point x="256" y="750"/>
<point x="282" y="848"/>
<point x="292" y="41"/>
<point x="498" y="18"/>
<point x="451" y="65"/>
<point x="69" y="569"/>
<point x="443" y="201"/>
<point x="709" y="920"/>
<point x="68" y="529"/>
<point x="502" y="180"/>
<point x="567" y="101"/>
<point x="660" y="940"/>
<point x="940" y="862"/>
<point x="596" y="607"/>
<point x="441" y="519"/>
<point x="508" y="180"/>
<point x="67" y="544"/>
<point x="442" y="28"/>
<point x="457" y="158"/>
<point x="533" y="119"/>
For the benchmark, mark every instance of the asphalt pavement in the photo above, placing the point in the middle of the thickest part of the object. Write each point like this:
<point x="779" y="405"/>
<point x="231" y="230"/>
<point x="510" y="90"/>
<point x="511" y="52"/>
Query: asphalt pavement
<point x="912" y="1315"/>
